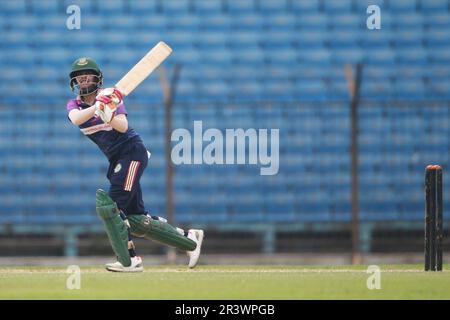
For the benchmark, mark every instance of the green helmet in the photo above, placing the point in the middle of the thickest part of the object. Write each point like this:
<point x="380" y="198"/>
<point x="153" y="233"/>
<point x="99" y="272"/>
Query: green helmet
<point x="85" y="66"/>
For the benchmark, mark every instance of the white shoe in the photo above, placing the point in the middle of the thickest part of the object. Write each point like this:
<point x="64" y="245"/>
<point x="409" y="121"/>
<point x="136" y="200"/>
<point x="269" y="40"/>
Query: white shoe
<point x="196" y="236"/>
<point x="136" y="266"/>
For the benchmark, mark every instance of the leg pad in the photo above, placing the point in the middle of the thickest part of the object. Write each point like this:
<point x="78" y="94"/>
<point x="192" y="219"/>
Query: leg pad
<point x="115" y="227"/>
<point x="144" y="226"/>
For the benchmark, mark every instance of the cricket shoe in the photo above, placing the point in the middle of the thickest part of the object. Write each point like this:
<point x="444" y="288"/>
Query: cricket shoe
<point x="196" y="236"/>
<point x="136" y="266"/>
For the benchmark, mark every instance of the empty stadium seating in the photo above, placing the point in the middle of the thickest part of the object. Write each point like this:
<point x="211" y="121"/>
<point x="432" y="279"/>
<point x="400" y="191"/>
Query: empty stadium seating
<point x="252" y="64"/>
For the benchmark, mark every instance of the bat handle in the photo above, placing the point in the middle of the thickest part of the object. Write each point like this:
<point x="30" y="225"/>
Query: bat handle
<point x="118" y="93"/>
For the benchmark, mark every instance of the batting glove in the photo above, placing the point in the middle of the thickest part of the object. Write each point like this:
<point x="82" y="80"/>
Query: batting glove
<point x="104" y="111"/>
<point x="106" y="103"/>
<point x="110" y="95"/>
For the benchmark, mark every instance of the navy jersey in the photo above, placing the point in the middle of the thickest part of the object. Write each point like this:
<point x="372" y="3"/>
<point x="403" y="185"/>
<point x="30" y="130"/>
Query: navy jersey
<point x="109" y="141"/>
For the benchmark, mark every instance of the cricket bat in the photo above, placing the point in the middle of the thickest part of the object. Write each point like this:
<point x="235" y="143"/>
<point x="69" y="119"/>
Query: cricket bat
<point x="143" y="68"/>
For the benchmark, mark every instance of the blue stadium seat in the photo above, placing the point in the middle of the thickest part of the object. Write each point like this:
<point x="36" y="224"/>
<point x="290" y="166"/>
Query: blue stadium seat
<point x="439" y="55"/>
<point x="44" y="7"/>
<point x="280" y="22"/>
<point x="153" y="23"/>
<point x="311" y="39"/>
<point x="437" y="21"/>
<point x="56" y="23"/>
<point x="248" y="22"/>
<point x="362" y="5"/>
<point x="313" y="21"/>
<point x="310" y="90"/>
<point x="54" y="57"/>
<point x="438" y="71"/>
<point x="379" y="39"/>
<point x="349" y="22"/>
<point x="379" y="90"/>
<point x="315" y="56"/>
<point x="305" y="6"/>
<point x="436" y="38"/>
<point x="415" y="57"/>
<point x="337" y="7"/>
<point x="12" y="8"/>
<point x="246" y="213"/>
<point x="111" y="8"/>
<point x="278" y="39"/>
<point x="403" y="6"/>
<point x="249" y="58"/>
<point x="246" y="91"/>
<point x="243" y="40"/>
<point x="120" y="25"/>
<point x="409" y="89"/>
<point x="207" y="8"/>
<point x="438" y="89"/>
<point x="176" y="8"/>
<point x="282" y="56"/>
<point x="210" y="40"/>
<point x="432" y="6"/>
<point x="411" y="21"/>
<point x="209" y="214"/>
<point x="143" y="40"/>
<point x="118" y="40"/>
<point x="217" y="57"/>
<point x="408" y="39"/>
<point x="86" y="6"/>
<point x="378" y="71"/>
<point x="17" y="93"/>
<point x="344" y="56"/>
<point x="207" y="73"/>
<point x="186" y="23"/>
<point x="270" y="7"/>
<point x="278" y="90"/>
<point x="278" y="71"/>
<point x="125" y="56"/>
<point x="312" y="211"/>
<point x="411" y="211"/>
<point x="380" y="57"/>
<point x="180" y="40"/>
<point x="217" y="23"/>
<point x="21" y="22"/>
<point x="213" y="91"/>
<point x="282" y="212"/>
<point x="338" y="91"/>
<point x="340" y="212"/>
<point x="142" y="8"/>
<point x="46" y="40"/>
<point x="343" y="39"/>
<point x="240" y="7"/>
<point x="15" y="40"/>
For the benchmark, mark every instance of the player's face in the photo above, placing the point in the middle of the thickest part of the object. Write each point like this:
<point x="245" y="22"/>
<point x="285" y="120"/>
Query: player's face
<point x="86" y="80"/>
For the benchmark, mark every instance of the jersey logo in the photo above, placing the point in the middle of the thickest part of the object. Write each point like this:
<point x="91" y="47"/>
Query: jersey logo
<point x="117" y="168"/>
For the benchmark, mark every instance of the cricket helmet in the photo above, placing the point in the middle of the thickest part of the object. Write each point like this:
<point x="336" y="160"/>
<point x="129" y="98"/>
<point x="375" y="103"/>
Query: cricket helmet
<point x="85" y="66"/>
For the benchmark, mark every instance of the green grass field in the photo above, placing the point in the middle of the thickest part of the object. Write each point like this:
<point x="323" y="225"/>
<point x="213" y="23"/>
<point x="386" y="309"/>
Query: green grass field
<point x="226" y="282"/>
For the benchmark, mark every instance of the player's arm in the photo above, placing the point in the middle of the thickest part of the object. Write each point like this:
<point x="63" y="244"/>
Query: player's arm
<point x="120" y="123"/>
<point x="79" y="117"/>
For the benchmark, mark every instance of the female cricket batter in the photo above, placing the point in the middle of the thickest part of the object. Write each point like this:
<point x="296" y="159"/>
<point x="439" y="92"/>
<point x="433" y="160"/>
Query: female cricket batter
<point x="102" y="117"/>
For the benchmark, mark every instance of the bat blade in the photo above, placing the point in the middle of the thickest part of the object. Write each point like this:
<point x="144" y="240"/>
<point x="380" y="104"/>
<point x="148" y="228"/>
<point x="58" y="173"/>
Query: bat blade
<point x="143" y="68"/>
